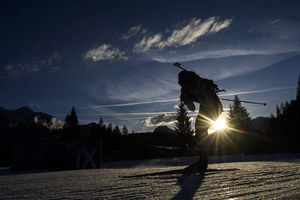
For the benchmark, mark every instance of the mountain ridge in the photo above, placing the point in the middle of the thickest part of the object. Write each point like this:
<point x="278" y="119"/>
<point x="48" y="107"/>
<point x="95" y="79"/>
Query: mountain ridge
<point x="12" y="118"/>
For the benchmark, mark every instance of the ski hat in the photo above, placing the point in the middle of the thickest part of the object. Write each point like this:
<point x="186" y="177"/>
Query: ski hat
<point x="186" y="78"/>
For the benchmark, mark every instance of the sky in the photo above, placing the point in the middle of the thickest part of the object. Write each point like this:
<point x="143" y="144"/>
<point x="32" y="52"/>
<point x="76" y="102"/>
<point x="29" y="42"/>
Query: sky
<point x="114" y="59"/>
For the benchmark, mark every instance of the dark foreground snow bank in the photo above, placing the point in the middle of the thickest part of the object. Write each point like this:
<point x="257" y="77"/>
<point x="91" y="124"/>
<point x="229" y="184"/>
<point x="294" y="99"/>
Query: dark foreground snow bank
<point x="272" y="177"/>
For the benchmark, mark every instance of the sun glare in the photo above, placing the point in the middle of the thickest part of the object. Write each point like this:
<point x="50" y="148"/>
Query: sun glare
<point x="220" y="124"/>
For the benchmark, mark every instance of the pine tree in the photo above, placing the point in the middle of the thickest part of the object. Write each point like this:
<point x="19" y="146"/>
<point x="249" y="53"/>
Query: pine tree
<point x="109" y="129"/>
<point x="286" y="123"/>
<point x="278" y="111"/>
<point x="124" y="130"/>
<point x="238" y="116"/>
<point x="71" y="120"/>
<point x="101" y="124"/>
<point x="71" y="126"/>
<point x="298" y="90"/>
<point x="231" y="115"/>
<point x="183" y="125"/>
<point x="116" y="131"/>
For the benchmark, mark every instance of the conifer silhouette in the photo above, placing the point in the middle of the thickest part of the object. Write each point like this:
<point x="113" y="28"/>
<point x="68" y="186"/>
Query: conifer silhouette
<point x="71" y="126"/>
<point x="238" y="117"/>
<point x="183" y="125"/>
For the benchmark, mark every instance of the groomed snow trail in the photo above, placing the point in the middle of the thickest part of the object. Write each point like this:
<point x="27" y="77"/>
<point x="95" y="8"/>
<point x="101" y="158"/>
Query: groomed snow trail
<point x="275" y="179"/>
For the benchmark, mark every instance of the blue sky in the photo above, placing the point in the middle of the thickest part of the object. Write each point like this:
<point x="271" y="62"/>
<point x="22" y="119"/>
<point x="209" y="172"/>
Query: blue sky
<point x="113" y="59"/>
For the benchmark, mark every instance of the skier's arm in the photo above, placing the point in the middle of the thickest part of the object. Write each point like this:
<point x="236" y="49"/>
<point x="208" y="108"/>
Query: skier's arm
<point x="185" y="98"/>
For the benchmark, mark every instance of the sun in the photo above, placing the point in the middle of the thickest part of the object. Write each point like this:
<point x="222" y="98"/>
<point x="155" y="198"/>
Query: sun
<point x="218" y="125"/>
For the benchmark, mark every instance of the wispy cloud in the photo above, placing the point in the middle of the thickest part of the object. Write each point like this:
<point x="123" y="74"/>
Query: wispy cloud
<point x="133" y="31"/>
<point x="217" y="26"/>
<point x="134" y="103"/>
<point x="35" y="65"/>
<point x="186" y="35"/>
<point x="137" y="113"/>
<point x="162" y="119"/>
<point x="177" y="99"/>
<point x="219" y="69"/>
<point x="257" y="91"/>
<point x="146" y="43"/>
<point x="218" y="54"/>
<point x="105" y="52"/>
<point x="194" y="30"/>
<point x="117" y="114"/>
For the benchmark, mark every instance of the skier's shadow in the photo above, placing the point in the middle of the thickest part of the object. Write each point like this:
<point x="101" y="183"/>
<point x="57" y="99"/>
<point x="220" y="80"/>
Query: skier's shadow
<point x="189" y="184"/>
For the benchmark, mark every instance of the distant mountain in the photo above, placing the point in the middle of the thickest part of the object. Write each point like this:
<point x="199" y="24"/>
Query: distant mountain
<point x="261" y="123"/>
<point x="163" y="129"/>
<point x="11" y="118"/>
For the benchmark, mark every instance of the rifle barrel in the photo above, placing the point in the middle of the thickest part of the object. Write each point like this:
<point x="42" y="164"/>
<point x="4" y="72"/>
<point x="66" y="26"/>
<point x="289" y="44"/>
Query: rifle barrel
<point x="179" y="66"/>
<point x="252" y="102"/>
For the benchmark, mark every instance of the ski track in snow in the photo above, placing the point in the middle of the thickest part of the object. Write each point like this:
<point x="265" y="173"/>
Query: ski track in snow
<point x="272" y="177"/>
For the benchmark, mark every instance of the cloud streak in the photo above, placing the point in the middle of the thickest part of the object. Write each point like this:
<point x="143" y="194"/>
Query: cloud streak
<point x="135" y="103"/>
<point x="186" y="35"/>
<point x="177" y="99"/>
<point x="105" y="52"/>
<point x="117" y="114"/>
<point x="136" y="114"/>
<point x="257" y="91"/>
<point x="218" y="54"/>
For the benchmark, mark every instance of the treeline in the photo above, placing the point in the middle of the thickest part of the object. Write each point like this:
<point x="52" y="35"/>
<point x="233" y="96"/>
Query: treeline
<point x="285" y="126"/>
<point x="282" y="135"/>
<point x="118" y="143"/>
<point x="72" y="130"/>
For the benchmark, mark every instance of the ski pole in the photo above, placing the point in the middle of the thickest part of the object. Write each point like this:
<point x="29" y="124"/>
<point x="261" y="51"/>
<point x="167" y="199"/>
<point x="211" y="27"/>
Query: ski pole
<point x="252" y="102"/>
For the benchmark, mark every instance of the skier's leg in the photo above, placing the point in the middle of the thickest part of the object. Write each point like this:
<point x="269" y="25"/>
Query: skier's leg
<point x="202" y="124"/>
<point x="201" y="143"/>
<point x="205" y="118"/>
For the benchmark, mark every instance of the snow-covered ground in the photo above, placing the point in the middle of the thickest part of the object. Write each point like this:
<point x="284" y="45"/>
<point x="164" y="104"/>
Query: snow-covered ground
<point x="239" y="177"/>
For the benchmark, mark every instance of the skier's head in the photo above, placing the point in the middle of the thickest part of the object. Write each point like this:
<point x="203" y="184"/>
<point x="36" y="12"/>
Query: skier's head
<point x="185" y="78"/>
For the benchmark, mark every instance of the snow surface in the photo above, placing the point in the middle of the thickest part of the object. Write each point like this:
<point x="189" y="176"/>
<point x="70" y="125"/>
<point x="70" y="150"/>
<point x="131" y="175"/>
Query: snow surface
<point x="240" y="177"/>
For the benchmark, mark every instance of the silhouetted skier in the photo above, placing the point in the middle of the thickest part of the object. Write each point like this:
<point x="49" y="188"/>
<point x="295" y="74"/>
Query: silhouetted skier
<point x="203" y="91"/>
